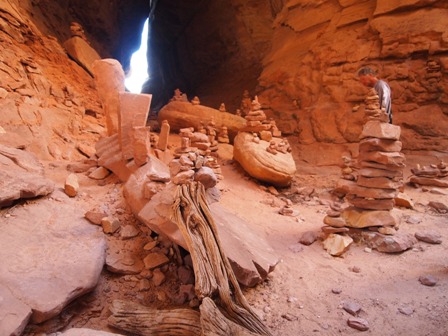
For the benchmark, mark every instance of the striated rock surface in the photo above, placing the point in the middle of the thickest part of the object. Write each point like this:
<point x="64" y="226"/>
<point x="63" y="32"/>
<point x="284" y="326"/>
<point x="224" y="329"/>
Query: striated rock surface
<point x="277" y="169"/>
<point x="50" y="255"/>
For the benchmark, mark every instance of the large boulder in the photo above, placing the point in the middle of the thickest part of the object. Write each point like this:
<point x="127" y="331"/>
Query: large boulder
<point x="184" y="114"/>
<point x="50" y="255"/>
<point x="81" y="51"/>
<point x="277" y="169"/>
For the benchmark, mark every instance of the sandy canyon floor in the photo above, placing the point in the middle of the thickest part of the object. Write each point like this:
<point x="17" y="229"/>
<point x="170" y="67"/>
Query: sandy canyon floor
<point x="306" y="292"/>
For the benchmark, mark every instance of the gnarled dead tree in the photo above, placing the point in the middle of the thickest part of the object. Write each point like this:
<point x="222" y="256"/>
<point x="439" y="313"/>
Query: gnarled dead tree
<point x="214" y="276"/>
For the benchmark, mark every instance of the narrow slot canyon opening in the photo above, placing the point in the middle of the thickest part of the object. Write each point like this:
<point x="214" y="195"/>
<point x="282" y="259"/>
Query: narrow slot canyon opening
<point x="137" y="74"/>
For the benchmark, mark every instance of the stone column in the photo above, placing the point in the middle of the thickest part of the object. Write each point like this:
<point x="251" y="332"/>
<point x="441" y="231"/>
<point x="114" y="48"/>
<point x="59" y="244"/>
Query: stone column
<point x="164" y="134"/>
<point x="134" y="110"/>
<point x="109" y="81"/>
<point x="141" y="144"/>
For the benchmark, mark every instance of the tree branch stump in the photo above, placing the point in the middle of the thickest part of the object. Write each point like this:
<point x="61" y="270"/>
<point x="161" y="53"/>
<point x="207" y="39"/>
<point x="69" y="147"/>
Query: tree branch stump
<point x="141" y="320"/>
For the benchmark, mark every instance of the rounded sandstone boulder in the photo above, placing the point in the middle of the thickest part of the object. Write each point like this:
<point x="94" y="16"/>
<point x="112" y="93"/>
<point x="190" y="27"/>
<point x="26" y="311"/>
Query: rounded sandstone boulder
<point x="277" y="169"/>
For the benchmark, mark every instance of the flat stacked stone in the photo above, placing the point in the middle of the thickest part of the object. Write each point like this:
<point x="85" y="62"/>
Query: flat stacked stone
<point x="435" y="175"/>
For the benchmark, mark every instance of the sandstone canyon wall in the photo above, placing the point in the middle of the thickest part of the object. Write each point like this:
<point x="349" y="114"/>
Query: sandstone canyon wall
<point x="309" y="78"/>
<point x="299" y="56"/>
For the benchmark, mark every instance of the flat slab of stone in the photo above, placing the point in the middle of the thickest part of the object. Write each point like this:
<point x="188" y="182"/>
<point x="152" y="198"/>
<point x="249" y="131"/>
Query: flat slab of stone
<point x="427" y="181"/>
<point x="376" y="129"/>
<point x="252" y="259"/>
<point x="50" y="255"/>
<point x="184" y="114"/>
<point x="14" y="314"/>
<point x="277" y="169"/>
<point x="81" y="52"/>
<point x="21" y="176"/>
<point x="358" y="218"/>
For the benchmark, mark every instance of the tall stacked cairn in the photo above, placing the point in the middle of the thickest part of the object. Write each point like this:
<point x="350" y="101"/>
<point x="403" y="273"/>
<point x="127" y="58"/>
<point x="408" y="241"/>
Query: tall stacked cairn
<point x="378" y="180"/>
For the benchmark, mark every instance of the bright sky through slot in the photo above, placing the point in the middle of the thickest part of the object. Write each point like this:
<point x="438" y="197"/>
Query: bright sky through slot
<point x="138" y="72"/>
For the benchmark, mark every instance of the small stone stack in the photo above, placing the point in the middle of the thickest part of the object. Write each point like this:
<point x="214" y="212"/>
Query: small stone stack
<point x="348" y="169"/>
<point x="372" y="109"/>
<point x="258" y="124"/>
<point x="211" y="133"/>
<point x="192" y="161"/>
<point x="256" y="119"/>
<point x="223" y="136"/>
<point x="435" y="175"/>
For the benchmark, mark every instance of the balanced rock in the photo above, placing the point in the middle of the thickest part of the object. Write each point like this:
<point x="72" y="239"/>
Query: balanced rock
<point x="182" y="114"/>
<point x="276" y="169"/>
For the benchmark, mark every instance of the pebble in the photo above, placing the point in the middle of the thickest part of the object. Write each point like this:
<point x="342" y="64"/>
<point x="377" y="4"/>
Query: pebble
<point x="428" y="280"/>
<point x="292" y="299"/>
<point x="358" y="323"/>
<point x="296" y="248"/>
<point x="367" y="250"/>
<point x="413" y="220"/>
<point x="336" y="291"/>
<point x="355" y="269"/>
<point x="351" y="308"/>
<point x="290" y="317"/>
<point x="308" y="238"/>
<point x="406" y="310"/>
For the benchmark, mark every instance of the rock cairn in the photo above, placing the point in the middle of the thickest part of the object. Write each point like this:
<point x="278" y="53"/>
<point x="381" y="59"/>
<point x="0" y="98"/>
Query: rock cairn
<point x="223" y="136"/>
<point x="378" y="180"/>
<point x="264" y="129"/>
<point x="435" y="175"/>
<point x="193" y="160"/>
<point x="246" y="103"/>
<point x="380" y="160"/>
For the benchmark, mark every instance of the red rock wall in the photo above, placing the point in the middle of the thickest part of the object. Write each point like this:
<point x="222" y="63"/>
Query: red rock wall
<point x="309" y="77"/>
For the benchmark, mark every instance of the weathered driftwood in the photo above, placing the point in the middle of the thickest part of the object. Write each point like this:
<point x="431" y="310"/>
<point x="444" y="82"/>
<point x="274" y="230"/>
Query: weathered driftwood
<point x="141" y="320"/>
<point x="214" y="323"/>
<point x="214" y="276"/>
